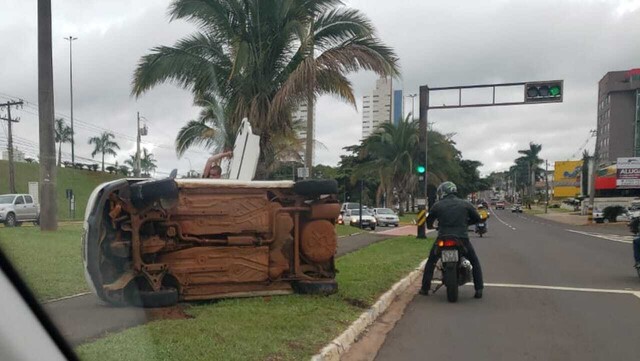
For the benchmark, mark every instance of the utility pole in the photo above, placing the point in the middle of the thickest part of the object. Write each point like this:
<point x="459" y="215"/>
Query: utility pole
<point x="136" y="171"/>
<point x="71" y="39"/>
<point x="10" y="121"/>
<point x="413" y="98"/>
<point x="546" y="185"/>
<point x="48" y="203"/>
<point x="423" y="146"/>
<point x="308" y="156"/>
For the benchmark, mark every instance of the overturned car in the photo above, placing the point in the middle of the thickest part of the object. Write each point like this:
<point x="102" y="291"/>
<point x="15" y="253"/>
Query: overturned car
<point x="153" y="243"/>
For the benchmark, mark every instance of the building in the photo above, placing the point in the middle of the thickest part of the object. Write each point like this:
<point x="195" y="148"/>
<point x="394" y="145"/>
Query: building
<point x="397" y="107"/>
<point x="618" y="115"/>
<point x="299" y="117"/>
<point x="376" y="107"/>
<point x="18" y="156"/>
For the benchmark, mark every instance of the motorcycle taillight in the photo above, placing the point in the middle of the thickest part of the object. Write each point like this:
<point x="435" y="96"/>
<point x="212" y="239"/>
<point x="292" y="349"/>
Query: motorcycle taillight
<point x="447" y="243"/>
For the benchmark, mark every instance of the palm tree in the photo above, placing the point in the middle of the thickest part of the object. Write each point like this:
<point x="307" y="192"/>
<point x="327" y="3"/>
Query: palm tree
<point x="63" y="134"/>
<point x="255" y="58"/>
<point x="147" y="162"/>
<point x="103" y="144"/>
<point x="532" y="160"/>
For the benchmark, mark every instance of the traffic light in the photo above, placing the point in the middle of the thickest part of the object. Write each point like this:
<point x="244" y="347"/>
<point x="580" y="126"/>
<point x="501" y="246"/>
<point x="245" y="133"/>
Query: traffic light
<point x="421" y="169"/>
<point x="543" y="92"/>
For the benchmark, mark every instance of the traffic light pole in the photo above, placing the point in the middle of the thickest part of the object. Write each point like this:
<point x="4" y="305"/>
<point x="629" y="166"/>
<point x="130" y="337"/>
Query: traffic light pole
<point x="424" y="145"/>
<point x="535" y="92"/>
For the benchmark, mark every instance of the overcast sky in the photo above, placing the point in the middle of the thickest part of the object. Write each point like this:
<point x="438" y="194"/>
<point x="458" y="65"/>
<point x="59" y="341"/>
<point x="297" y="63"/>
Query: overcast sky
<point x="440" y="43"/>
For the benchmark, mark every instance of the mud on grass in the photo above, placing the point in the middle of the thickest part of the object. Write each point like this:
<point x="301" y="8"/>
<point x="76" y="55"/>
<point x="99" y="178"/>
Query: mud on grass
<point x="275" y="328"/>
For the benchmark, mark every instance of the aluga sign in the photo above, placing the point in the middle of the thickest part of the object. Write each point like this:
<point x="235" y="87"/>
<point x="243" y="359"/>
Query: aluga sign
<point x="628" y="173"/>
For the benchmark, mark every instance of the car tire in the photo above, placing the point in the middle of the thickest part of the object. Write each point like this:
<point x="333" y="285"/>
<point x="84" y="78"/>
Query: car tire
<point x="152" y="299"/>
<point x="319" y="287"/>
<point x="396" y="225"/>
<point x="10" y="221"/>
<point x="315" y="187"/>
<point x="373" y="228"/>
<point x="146" y="193"/>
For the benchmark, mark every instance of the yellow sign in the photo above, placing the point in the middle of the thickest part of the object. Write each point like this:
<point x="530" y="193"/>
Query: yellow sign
<point x="422" y="217"/>
<point x="567" y="178"/>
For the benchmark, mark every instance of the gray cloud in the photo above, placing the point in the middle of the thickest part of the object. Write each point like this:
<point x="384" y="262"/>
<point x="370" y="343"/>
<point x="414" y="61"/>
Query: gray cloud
<point x="439" y="43"/>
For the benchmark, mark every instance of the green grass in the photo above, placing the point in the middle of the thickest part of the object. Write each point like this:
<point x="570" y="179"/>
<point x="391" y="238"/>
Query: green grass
<point x="272" y="328"/>
<point x="50" y="262"/>
<point x="81" y="181"/>
<point x="408" y="218"/>
<point x="345" y="230"/>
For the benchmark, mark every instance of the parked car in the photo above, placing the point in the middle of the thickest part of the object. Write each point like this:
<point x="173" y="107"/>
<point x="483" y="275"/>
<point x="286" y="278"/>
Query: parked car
<point x="386" y="217"/>
<point x="350" y="205"/>
<point x="155" y="242"/>
<point x="16" y="209"/>
<point x="500" y="205"/>
<point x="516" y="208"/>
<point x="368" y="220"/>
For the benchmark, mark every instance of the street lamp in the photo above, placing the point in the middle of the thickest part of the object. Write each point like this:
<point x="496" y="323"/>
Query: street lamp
<point x="71" y="39"/>
<point x="412" y="96"/>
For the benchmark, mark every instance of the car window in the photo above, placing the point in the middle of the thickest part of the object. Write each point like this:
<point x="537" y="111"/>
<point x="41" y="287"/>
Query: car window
<point x="19" y="200"/>
<point x="6" y="199"/>
<point x="385" y="211"/>
<point x="28" y="199"/>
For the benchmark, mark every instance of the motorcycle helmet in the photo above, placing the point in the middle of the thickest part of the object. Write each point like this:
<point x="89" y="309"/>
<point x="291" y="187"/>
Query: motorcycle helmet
<point x="445" y="189"/>
<point x="480" y="206"/>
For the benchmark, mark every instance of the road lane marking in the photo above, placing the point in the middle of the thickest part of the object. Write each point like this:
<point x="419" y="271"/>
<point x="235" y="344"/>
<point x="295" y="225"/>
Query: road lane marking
<point x="503" y="222"/>
<point x="560" y="288"/>
<point x="66" y="297"/>
<point x="609" y="237"/>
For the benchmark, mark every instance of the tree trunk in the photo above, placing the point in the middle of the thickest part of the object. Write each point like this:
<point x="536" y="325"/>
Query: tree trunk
<point x="103" y="161"/>
<point x="59" y="154"/>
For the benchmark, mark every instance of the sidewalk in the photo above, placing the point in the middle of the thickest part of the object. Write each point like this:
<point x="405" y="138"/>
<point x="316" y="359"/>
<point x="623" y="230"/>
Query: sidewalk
<point x="566" y="218"/>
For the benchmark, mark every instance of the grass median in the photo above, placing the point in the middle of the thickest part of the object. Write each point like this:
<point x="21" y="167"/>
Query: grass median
<point x="271" y="328"/>
<point x="50" y="262"/>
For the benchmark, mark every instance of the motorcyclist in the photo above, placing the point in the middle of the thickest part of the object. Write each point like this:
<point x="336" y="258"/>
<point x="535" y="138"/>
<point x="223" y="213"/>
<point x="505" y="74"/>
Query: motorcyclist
<point x="454" y="215"/>
<point x="484" y="215"/>
<point x="634" y="226"/>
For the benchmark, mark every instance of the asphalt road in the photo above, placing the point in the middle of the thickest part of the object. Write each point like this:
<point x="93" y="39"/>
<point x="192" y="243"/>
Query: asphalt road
<point x="551" y="294"/>
<point x="84" y="318"/>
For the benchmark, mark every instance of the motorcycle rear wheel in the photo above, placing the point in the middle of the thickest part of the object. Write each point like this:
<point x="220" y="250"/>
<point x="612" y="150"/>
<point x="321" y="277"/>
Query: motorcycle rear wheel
<point x="450" y="279"/>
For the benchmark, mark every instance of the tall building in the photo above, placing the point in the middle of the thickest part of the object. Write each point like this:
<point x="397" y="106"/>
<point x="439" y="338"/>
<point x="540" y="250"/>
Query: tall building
<point x="619" y="115"/>
<point x="397" y="107"/>
<point x="376" y="107"/>
<point x="300" y="116"/>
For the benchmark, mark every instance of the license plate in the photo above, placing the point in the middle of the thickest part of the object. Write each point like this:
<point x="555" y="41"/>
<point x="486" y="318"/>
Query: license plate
<point x="450" y="255"/>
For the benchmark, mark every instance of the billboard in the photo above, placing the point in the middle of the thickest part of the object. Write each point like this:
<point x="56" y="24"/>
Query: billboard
<point x="566" y="178"/>
<point x="628" y="173"/>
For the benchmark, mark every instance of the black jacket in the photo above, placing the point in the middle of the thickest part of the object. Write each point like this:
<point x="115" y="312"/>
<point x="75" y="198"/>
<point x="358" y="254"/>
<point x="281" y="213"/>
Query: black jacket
<point x="454" y="215"/>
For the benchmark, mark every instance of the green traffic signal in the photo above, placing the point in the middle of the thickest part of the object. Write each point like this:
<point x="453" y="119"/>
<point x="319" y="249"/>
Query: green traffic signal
<point x="554" y="91"/>
<point x="421" y="169"/>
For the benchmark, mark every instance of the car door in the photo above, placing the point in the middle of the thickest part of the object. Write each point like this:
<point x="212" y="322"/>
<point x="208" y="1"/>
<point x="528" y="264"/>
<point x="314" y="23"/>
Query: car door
<point x="20" y="208"/>
<point x="30" y="211"/>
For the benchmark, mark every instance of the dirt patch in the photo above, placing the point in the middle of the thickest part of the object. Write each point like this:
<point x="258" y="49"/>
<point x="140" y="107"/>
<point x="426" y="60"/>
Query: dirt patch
<point x="168" y="313"/>
<point x="357" y="303"/>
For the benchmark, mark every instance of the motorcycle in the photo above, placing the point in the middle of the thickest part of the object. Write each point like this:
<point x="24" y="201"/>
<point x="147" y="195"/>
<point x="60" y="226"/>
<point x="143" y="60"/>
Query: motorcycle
<point x="634" y="227"/>
<point x="456" y="269"/>
<point x="481" y="228"/>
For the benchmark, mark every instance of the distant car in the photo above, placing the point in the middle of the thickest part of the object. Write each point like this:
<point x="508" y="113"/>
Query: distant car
<point x="516" y="208"/>
<point x="16" y="209"/>
<point x="386" y="217"/>
<point x="368" y="220"/>
<point x="500" y="205"/>
<point x="350" y="205"/>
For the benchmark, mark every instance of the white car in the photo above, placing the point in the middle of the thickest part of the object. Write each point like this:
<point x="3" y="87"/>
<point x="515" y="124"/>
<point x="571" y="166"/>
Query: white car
<point x="18" y="208"/>
<point x="386" y="217"/>
<point x="368" y="220"/>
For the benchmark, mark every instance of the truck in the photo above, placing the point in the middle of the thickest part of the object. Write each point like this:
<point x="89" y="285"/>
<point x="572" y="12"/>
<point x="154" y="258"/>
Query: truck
<point x="15" y="209"/>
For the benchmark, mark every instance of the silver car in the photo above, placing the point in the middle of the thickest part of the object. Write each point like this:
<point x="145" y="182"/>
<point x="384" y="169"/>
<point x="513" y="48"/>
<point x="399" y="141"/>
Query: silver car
<point x="18" y="208"/>
<point x="386" y="217"/>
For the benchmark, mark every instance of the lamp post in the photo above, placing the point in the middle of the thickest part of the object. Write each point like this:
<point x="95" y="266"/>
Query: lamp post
<point x="71" y="39"/>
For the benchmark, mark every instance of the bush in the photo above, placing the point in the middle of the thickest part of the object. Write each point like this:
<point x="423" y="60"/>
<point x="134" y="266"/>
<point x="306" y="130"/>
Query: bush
<point x="612" y="212"/>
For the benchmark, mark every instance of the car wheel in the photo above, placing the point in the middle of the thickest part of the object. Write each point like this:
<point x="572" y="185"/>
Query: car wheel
<point x="10" y="221"/>
<point x="373" y="228"/>
<point x="146" y="193"/>
<point x="320" y="287"/>
<point x="315" y="187"/>
<point x="396" y="225"/>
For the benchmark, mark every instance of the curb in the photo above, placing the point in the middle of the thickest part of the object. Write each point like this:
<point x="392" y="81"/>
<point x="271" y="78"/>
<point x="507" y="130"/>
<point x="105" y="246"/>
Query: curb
<point x="341" y="344"/>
